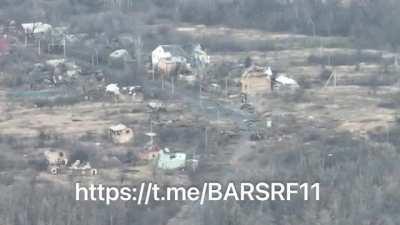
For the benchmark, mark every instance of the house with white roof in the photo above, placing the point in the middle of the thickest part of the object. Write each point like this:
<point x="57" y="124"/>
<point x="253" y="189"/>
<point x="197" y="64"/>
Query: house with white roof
<point x="172" y="53"/>
<point x="37" y="28"/>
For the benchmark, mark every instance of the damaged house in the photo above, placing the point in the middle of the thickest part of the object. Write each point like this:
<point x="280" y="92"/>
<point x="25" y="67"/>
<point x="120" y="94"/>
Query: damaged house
<point x="173" y="59"/>
<point x="256" y="80"/>
<point x="62" y="70"/>
<point x="35" y="30"/>
<point x="120" y="134"/>
<point x="197" y="56"/>
<point x="56" y="157"/>
<point x="56" y="161"/>
<point x="168" y="59"/>
<point x="53" y="72"/>
<point x="171" y="53"/>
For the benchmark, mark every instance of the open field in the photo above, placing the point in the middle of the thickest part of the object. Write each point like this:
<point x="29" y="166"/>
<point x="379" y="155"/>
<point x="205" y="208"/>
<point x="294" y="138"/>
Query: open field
<point x="313" y="130"/>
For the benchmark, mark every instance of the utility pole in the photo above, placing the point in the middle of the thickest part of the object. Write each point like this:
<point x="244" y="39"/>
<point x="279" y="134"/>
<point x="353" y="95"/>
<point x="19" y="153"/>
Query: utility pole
<point x="172" y="85"/>
<point x="332" y="77"/>
<point x="152" y="71"/>
<point x="206" y="140"/>
<point x="138" y="53"/>
<point x="200" y="93"/>
<point x="320" y="46"/>
<point x="39" y="50"/>
<point x="226" y="87"/>
<point x="65" y="47"/>
<point x="96" y="59"/>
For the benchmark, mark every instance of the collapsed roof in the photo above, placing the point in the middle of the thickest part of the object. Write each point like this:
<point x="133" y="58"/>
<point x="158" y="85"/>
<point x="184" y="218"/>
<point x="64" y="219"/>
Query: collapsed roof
<point x="174" y="50"/>
<point x="118" y="127"/>
<point x="257" y="71"/>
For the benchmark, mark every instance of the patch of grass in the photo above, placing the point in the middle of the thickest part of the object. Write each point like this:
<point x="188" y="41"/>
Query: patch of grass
<point x="327" y="43"/>
<point x="338" y="59"/>
<point x="221" y="44"/>
<point x="58" y="101"/>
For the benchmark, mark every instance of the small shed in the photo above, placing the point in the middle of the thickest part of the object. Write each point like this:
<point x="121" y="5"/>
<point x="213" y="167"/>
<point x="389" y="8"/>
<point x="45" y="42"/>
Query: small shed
<point x="56" y="157"/>
<point x="120" y="134"/>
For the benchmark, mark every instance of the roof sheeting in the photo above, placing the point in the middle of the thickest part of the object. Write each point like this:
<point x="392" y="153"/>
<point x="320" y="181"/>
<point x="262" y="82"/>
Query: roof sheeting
<point x="120" y="54"/>
<point x="118" y="127"/>
<point x="284" y="80"/>
<point x="113" y="88"/>
<point x="255" y="71"/>
<point x="174" y="50"/>
<point x="36" y="28"/>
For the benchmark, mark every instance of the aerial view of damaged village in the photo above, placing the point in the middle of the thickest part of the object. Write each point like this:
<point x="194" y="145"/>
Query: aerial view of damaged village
<point x="239" y="112"/>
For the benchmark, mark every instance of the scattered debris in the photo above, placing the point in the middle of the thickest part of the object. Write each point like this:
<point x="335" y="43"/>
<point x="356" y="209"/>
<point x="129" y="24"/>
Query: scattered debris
<point x="149" y="154"/>
<point x="119" y="58"/>
<point x="282" y="81"/>
<point x="113" y="90"/>
<point x="197" y="55"/>
<point x="247" y="107"/>
<point x="257" y="136"/>
<point x="214" y="88"/>
<point x="171" y="161"/>
<point x="120" y="54"/>
<point x="156" y="106"/>
<point x="189" y="78"/>
<point x="78" y="168"/>
<point x="62" y="70"/>
<point x="136" y="92"/>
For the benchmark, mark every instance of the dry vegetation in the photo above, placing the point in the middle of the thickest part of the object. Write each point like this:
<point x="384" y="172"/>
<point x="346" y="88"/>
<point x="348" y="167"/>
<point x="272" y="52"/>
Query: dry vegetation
<point x="345" y="137"/>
